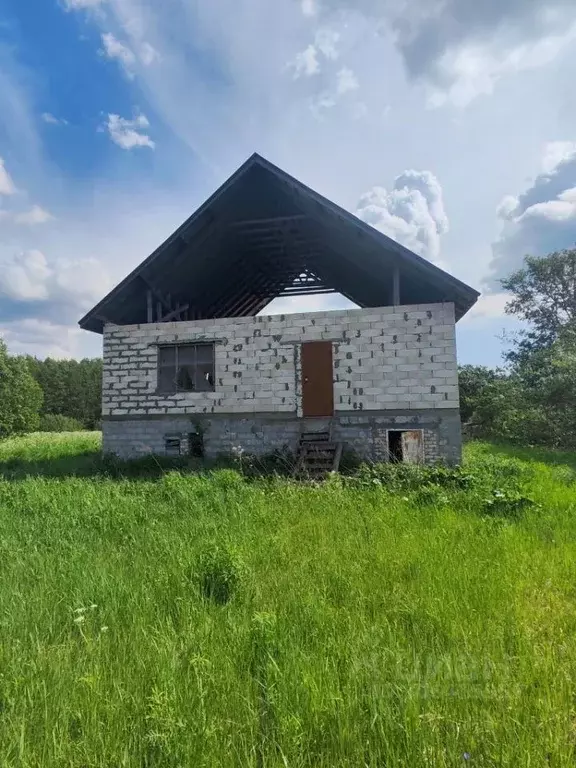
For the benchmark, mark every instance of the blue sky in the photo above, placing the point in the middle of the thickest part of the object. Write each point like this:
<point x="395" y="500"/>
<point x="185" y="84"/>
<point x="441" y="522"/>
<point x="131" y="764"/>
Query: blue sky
<point x="449" y="125"/>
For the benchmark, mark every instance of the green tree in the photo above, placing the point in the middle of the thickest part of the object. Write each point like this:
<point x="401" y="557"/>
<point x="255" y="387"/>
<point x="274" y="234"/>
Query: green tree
<point x="473" y="381"/>
<point x="20" y="396"/>
<point x="544" y="296"/>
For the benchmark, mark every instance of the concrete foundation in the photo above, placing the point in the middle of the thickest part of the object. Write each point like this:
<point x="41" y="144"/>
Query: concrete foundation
<point x="365" y="433"/>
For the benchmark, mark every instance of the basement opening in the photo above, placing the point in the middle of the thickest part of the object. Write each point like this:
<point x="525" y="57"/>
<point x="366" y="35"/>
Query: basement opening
<point x="191" y="444"/>
<point x="395" y="449"/>
<point x="406" y="445"/>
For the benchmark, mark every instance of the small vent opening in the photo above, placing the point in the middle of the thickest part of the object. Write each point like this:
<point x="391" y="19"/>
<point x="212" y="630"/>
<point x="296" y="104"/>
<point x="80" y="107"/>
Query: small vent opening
<point x="173" y="445"/>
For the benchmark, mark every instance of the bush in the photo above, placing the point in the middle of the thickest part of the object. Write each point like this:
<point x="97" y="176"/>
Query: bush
<point x="56" y="422"/>
<point x="219" y="574"/>
<point x="408" y="477"/>
<point x="507" y="504"/>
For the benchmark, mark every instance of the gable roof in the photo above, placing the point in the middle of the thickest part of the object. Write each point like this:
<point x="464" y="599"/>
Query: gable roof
<point x="264" y="234"/>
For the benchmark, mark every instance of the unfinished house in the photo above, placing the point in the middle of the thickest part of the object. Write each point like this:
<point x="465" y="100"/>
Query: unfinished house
<point x="193" y="366"/>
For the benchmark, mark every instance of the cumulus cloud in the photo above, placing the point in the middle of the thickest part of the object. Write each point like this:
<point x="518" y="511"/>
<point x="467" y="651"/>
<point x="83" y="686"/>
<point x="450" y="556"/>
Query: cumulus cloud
<point x="127" y="134"/>
<point x="463" y="47"/>
<point x="412" y="213"/>
<point x="462" y="74"/>
<point x="541" y="219"/>
<point x="307" y="62"/>
<point x="6" y="184"/>
<point x="143" y="53"/>
<point x="326" y="41"/>
<point x="61" y="288"/>
<point x="114" y="49"/>
<point x="346" y="81"/>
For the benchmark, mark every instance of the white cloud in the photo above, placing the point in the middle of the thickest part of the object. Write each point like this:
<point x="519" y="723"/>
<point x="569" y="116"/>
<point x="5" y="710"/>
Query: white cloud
<point x="306" y="63"/>
<point x="326" y="41"/>
<point x="148" y="54"/>
<point x="488" y="307"/>
<point x="69" y="285"/>
<point x="145" y="54"/>
<point x="51" y="119"/>
<point x="346" y="81"/>
<point x="76" y="5"/>
<point x="474" y="70"/>
<point x="36" y="215"/>
<point x="25" y="277"/>
<point x="507" y="206"/>
<point x="412" y="213"/>
<point x="309" y="7"/>
<point x="543" y="218"/>
<point x="6" y="184"/>
<point x="462" y="48"/>
<point x="556" y="152"/>
<point x="114" y="49"/>
<point x="127" y="133"/>
<point x="42" y="338"/>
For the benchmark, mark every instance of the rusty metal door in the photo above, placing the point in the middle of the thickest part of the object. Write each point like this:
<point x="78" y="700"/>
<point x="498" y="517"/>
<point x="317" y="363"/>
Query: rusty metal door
<point x="317" y="379"/>
<point x="413" y="446"/>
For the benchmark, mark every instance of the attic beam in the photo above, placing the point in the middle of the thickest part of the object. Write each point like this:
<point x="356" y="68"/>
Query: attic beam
<point x="156" y="293"/>
<point x="174" y="315"/>
<point x="396" y="286"/>
<point x="149" y="307"/>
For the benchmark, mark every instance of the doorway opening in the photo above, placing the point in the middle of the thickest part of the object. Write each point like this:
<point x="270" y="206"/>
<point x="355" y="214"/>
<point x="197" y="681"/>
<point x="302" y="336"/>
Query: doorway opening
<point x="395" y="449"/>
<point x="405" y="445"/>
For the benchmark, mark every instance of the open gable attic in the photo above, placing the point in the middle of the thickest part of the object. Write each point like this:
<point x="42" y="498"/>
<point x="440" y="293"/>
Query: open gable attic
<point x="187" y="352"/>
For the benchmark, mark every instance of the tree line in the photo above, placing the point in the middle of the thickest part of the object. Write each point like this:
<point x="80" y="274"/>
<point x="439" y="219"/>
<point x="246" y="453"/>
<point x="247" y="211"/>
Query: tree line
<point x="48" y="395"/>
<point x="531" y="399"/>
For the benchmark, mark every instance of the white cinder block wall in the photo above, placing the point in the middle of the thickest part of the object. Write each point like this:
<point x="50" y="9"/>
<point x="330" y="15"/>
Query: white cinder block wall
<point x="391" y="358"/>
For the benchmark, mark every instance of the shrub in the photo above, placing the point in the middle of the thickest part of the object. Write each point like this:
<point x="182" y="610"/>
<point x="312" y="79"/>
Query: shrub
<point x="56" y="422"/>
<point x="219" y="574"/>
<point x="408" y="477"/>
<point x="506" y="503"/>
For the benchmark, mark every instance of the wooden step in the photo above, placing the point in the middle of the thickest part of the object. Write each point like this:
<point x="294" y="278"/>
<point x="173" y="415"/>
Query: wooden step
<point x="317" y="458"/>
<point x="315" y="437"/>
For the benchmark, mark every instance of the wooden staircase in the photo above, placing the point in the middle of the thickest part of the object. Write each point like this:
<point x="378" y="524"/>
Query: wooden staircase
<point x="317" y="455"/>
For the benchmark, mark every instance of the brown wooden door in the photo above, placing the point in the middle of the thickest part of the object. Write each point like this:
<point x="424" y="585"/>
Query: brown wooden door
<point x="317" y="379"/>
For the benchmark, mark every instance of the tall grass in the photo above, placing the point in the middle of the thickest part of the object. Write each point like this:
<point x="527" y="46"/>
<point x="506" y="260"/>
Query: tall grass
<point x="204" y="620"/>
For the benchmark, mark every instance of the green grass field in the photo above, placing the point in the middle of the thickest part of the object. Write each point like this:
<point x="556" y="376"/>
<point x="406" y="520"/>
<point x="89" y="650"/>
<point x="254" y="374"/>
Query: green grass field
<point x="192" y="620"/>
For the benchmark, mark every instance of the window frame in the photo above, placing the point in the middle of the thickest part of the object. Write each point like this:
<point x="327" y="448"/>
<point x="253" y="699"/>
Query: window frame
<point x="175" y="389"/>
